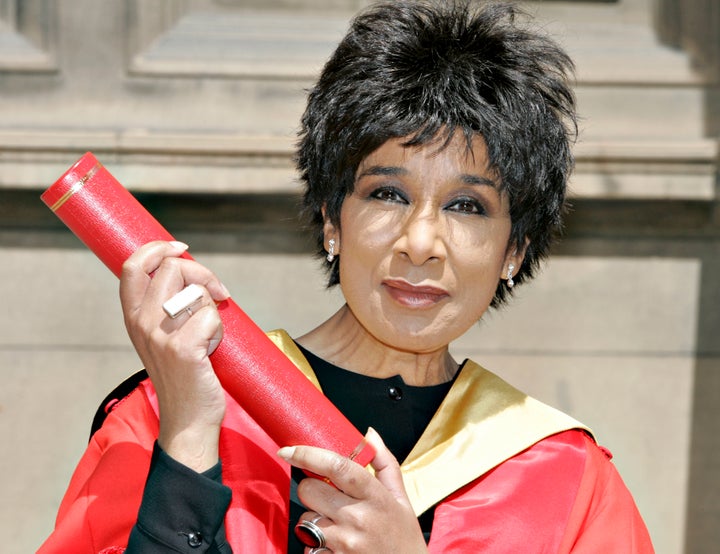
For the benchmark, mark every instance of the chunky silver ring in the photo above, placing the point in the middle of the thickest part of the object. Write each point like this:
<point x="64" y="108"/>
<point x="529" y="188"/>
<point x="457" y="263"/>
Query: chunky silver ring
<point x="310" y="534"/>
<point x="322" y="549"/>
<point x="182" y="301"/>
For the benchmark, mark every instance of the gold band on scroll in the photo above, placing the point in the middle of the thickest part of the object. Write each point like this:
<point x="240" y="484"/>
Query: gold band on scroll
<point x="76" y="187"/>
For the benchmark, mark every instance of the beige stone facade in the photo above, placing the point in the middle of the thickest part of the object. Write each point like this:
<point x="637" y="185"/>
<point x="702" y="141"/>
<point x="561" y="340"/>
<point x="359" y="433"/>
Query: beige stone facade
<point x="192" y="104"/>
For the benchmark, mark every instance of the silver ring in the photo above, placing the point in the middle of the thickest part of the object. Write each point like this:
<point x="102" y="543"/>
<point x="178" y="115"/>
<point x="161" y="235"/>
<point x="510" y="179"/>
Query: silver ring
<point x="321" y="549"/>
<point x="310" y="534"/>
<point x="182" y="301"/>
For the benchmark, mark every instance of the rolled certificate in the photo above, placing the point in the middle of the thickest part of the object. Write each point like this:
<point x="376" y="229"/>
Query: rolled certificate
<point x="275" y="393"/>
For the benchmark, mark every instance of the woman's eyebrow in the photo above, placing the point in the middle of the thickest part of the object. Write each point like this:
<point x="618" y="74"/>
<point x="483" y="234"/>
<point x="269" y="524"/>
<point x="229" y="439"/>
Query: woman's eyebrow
<point x="467" y="178"/>
<point x="477" y="180"/>
<point x="382" y="170"/>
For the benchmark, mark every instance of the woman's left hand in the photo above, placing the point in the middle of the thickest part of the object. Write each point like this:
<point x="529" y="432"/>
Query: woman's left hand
<point x="365" y="513"/>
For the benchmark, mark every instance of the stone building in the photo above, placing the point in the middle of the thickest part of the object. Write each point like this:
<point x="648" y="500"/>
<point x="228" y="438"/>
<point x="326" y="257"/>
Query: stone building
<point x="192" y="104"/>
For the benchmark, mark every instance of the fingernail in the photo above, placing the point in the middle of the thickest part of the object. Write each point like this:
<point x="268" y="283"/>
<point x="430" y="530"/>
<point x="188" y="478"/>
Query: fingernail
<point x="373" y="437"/>
<point x="178" y="244"/>
<point x="225" y="290"/>
<point x="212" y="345"/>
<point x="286" y="452"/>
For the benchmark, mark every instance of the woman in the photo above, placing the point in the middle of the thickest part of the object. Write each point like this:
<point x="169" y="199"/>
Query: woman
<point x="435" y="151"/>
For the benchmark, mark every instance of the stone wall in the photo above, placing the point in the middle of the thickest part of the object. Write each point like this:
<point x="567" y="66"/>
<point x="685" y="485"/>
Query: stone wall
<point x="193" y="106"/>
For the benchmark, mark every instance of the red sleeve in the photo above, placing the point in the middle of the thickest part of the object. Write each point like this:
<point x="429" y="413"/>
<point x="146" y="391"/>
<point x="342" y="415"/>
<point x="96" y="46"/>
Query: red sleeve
<point x="604" y="517"/>
<point x="101" y="503"/>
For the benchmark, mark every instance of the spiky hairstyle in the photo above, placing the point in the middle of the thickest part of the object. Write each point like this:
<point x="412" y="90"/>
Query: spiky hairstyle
<point x="427" y="70"/>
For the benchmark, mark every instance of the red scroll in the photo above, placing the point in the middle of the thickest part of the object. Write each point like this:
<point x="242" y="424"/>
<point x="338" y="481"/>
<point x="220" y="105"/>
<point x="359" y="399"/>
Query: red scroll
<point x="113" y="224"/>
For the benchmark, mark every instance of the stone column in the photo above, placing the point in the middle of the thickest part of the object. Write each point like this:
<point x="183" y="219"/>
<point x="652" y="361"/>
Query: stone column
<point x="693" y="25"/>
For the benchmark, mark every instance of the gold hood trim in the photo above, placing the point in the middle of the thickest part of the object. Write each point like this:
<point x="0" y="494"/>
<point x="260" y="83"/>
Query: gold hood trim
<point x="482" y="422"/>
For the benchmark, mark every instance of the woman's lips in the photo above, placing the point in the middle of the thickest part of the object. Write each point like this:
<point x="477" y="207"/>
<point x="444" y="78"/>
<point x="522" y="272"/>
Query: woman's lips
<point x="414" y="296"/>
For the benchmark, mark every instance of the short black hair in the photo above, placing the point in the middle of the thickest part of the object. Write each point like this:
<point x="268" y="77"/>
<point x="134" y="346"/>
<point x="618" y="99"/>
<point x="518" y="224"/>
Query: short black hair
<point x="427" y="70"/>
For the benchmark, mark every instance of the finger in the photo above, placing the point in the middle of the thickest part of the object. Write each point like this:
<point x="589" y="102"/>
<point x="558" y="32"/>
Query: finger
<point x="312" y="519"/>
<point x="170" y="273"/>
<point x="173" y="274"/>
<point x="348" y="476"/>
<point x="387" y="469"/>
<point x="216" y="337"/>
<point x="193" y="334"/>
<point x="196" y="334"/>
<point x="138" y="268"/>
<point x="315" y="517"/>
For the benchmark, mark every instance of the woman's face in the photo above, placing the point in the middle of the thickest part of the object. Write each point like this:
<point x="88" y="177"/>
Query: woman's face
<point x="423" y="242"/>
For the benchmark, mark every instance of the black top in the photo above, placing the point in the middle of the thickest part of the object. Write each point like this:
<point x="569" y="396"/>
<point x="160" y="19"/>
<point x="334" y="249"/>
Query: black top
<point x="183" y="511"/>
<point x="397" y="411"/>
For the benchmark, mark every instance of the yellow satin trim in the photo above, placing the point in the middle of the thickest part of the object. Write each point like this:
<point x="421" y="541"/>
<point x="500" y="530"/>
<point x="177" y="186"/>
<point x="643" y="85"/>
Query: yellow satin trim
<point x="482" y="422"/>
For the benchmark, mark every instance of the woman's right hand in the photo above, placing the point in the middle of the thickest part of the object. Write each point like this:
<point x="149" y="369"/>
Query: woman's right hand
<point x="176" y="351"/>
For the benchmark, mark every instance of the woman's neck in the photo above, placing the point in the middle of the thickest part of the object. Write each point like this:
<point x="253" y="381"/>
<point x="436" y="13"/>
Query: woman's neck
<point x="343" y="341"/>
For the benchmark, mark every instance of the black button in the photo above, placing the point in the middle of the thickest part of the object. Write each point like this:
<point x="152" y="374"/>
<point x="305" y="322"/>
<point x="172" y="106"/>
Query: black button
<point x="194" y="538"/>
<point x="395" y="393"/>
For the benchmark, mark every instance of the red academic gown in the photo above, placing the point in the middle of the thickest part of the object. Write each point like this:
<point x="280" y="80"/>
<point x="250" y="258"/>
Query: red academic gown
<point x="508" y="474"/>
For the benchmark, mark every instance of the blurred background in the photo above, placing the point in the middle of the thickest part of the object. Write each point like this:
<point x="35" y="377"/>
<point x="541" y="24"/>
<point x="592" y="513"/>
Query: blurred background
<point x="193" y="105"/>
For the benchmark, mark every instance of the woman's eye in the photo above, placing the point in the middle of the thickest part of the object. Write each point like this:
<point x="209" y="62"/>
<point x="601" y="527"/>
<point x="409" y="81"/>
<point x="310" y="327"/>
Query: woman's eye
<point x="387" y="195"/>
<point x="466" y="206"/>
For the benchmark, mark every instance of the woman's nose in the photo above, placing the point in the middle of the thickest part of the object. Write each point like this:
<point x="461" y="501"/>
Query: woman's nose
<point x="421" y="240"/>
